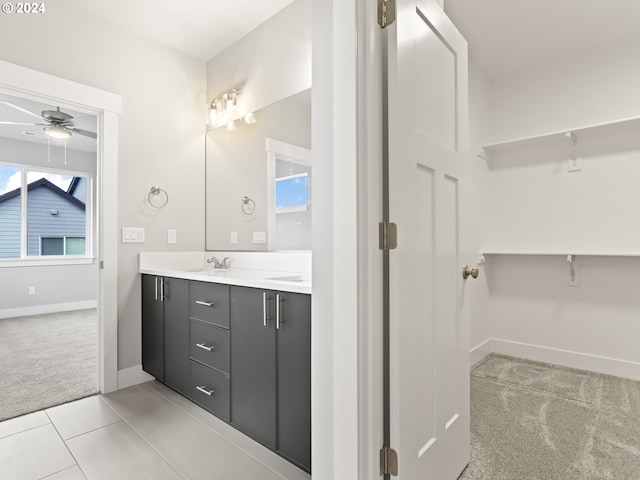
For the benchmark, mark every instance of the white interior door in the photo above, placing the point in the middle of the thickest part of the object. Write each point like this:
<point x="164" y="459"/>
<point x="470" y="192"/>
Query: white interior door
<point x="429" y="352"/>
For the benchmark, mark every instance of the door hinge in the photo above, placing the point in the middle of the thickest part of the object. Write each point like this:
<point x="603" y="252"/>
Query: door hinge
<point x="386" y="12"/>
<point x="388" y="461"/>
<point x="388" y="235"/>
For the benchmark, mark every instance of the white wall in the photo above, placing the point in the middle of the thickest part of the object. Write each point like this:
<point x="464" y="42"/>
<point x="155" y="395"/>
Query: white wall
<point x="161" y="132"/>
<point x="474" y="202"/>
<point x="270" y="63"/>
<point x="535" y="204"/>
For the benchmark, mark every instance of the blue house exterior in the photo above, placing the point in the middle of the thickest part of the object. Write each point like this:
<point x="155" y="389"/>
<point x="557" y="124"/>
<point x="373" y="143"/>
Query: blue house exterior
<point x="56" y="219"/>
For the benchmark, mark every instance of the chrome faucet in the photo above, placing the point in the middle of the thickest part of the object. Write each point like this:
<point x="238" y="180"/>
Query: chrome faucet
<point x="217" y="264"/>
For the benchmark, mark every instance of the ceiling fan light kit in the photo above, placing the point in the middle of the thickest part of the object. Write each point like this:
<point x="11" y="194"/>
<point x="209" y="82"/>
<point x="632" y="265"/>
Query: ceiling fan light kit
<point x="55" y="131"/>
<point x="58" y="124"/>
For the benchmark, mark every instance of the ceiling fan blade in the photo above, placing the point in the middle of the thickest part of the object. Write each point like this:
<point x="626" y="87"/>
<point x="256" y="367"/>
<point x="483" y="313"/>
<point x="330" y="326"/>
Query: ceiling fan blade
<point x="79" y="131"/>
<point x="20" y="123"/>
<point x="20" y="109"/>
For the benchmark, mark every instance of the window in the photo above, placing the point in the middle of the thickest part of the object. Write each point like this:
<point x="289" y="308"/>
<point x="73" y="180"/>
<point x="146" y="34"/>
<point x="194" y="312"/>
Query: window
<point x="44" y="213"/>
<point x="62" y="245"/>
<point x="292" y="193"/>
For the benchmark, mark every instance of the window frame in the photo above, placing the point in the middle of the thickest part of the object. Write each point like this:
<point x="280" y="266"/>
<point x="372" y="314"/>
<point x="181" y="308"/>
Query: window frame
<point x="40" y="260"/>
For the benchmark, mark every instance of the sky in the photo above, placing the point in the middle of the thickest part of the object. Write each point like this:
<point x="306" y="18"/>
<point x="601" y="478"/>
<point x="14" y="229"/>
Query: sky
<point x="11" y="178"/>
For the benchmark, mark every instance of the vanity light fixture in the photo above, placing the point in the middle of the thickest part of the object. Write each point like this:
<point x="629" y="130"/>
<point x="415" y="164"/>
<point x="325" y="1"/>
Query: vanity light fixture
<point x="222" y="111"/>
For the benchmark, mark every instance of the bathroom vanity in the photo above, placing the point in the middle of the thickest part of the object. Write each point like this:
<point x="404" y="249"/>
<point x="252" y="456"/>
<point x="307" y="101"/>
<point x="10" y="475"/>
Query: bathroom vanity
<point x="238" y="343"/>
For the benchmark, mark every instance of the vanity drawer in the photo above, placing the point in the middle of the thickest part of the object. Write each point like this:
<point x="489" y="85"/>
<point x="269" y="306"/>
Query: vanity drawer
<point x="209" y="344"/>
<point x="210" y="389"/>
<point x="209" y="302"/>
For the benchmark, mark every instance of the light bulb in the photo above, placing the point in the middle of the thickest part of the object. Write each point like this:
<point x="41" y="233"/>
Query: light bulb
<point x="55" y="131"/>
<point x="213" y="115"/>
<point x="249" y="118"/>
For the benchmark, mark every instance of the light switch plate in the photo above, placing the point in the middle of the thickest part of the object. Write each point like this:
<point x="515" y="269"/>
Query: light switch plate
<point x="234" y="238"/>
<point x="171" y="236"/>
<point x="259" y="237"/>
<point x="132" y="235"/>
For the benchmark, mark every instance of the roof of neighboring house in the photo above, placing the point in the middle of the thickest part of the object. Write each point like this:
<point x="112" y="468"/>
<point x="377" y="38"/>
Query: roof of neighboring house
<point x="43" y="182"/>
<point x="73" y="185"/>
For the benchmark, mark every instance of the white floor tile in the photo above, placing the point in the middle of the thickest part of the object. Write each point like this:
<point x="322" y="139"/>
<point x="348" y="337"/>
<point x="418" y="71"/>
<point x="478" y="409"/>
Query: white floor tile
<point x="82" y="416"/>
<point x="117" y="452"/>
<point x="262" y="454"/>
<point x="72" y="473"/>
<point x="33" y="454"/>
<point x="195" y="451"/>
<point x="23" y="423"/>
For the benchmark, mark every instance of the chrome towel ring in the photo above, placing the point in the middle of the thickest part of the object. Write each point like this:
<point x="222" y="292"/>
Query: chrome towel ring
<point x="248" y="206"/>
<point x="157" y="197"/>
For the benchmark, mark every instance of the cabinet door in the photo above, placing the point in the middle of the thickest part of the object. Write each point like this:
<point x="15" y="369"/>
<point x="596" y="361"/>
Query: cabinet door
<point x="176" y="334"/>
<point x="253" y="365"/>
<point x="294" y="378"/>
<point x="152" y="327"/>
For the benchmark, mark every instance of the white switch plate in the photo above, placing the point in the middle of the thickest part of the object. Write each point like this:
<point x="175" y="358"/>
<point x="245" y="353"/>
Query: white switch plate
<point x="32" y="290"/>
<point x="132" y="235"/>
<point x="234" y="238"/>
<point x="171" y="236"/>
<point x="259" y="237"/>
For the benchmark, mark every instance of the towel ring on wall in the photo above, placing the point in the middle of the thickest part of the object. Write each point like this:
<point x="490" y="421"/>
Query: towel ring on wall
<point x="248" y="206"/>
<point x="157" y="197"/>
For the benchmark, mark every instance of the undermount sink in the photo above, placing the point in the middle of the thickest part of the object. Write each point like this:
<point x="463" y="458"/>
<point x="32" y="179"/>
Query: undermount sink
<point x="291" y="278"/>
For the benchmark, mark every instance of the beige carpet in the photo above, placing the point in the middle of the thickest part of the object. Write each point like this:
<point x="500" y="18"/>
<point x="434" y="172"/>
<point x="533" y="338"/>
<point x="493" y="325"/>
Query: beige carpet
<point x="46" y="360"/>
<point x="537" y="421"/>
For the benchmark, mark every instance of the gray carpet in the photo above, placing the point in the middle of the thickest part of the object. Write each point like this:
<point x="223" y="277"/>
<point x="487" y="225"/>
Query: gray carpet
<point x="536" y="421"/>
<point x="46" y="360"/>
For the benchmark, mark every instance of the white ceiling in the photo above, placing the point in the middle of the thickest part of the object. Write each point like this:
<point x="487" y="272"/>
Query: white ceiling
<point x="16" y="132"/>
<point x="506" y="36"/>
<point x="200" y="28"/>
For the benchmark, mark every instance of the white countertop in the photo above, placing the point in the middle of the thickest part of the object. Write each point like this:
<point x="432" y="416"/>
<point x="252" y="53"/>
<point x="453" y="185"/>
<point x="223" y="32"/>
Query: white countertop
<point x="283" y="276"/>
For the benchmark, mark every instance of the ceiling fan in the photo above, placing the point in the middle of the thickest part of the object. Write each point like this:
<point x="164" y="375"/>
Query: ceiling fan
<point x="57" y="124"/>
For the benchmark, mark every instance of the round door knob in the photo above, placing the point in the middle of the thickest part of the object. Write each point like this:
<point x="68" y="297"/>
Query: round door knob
<point x="467" y="270"/>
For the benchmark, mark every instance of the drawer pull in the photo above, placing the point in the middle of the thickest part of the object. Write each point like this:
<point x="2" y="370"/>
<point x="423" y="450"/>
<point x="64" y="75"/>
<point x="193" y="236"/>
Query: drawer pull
<point x="206" y="347"/>
<point x="205" y="391"/>
<point x="204" y="304"/>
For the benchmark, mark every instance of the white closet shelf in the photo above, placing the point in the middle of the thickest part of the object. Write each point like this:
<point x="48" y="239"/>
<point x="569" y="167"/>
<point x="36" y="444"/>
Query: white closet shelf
<point x="557" y="136"/>
<point x="575" y="253"/>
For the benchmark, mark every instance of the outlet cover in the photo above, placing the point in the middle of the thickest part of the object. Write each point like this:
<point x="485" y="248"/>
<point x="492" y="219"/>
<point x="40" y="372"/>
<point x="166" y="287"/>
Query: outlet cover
<point x="171" y="236"/>
<point x="234" y="238"/>
<point x="32" y="290"/>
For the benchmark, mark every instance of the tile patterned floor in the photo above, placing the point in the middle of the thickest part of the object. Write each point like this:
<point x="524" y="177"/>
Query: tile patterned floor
<point x="143" y="432"/>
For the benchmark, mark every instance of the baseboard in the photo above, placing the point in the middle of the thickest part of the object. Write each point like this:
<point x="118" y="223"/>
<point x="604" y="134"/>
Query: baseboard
<point x="44" y="309"/>
<point x="566" y="358"/>
<point x="131" y="376"/>
<point x="480" y="351"/>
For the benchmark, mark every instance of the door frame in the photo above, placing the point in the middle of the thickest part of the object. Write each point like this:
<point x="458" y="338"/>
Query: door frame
<point x="107" y="107"/>
<point x="347" y="263"/>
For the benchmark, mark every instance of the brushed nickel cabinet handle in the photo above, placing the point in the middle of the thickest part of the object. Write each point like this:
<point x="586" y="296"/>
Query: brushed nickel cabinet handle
<point x="204" y="390"/>
<point x="278" y="311"/>
<point x="206" y="347"/>
<point x="265" y="317"/>
<point x="205" y="304"/>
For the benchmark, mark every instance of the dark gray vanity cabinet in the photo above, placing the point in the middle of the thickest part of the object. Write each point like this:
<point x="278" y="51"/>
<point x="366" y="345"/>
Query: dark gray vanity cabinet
<point x="271" y="370"/>
<point x="165" y="330"/>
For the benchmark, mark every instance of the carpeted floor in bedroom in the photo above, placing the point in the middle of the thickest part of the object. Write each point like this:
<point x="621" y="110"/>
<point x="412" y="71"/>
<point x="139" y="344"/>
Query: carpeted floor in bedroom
<point x="46" y="360"/>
